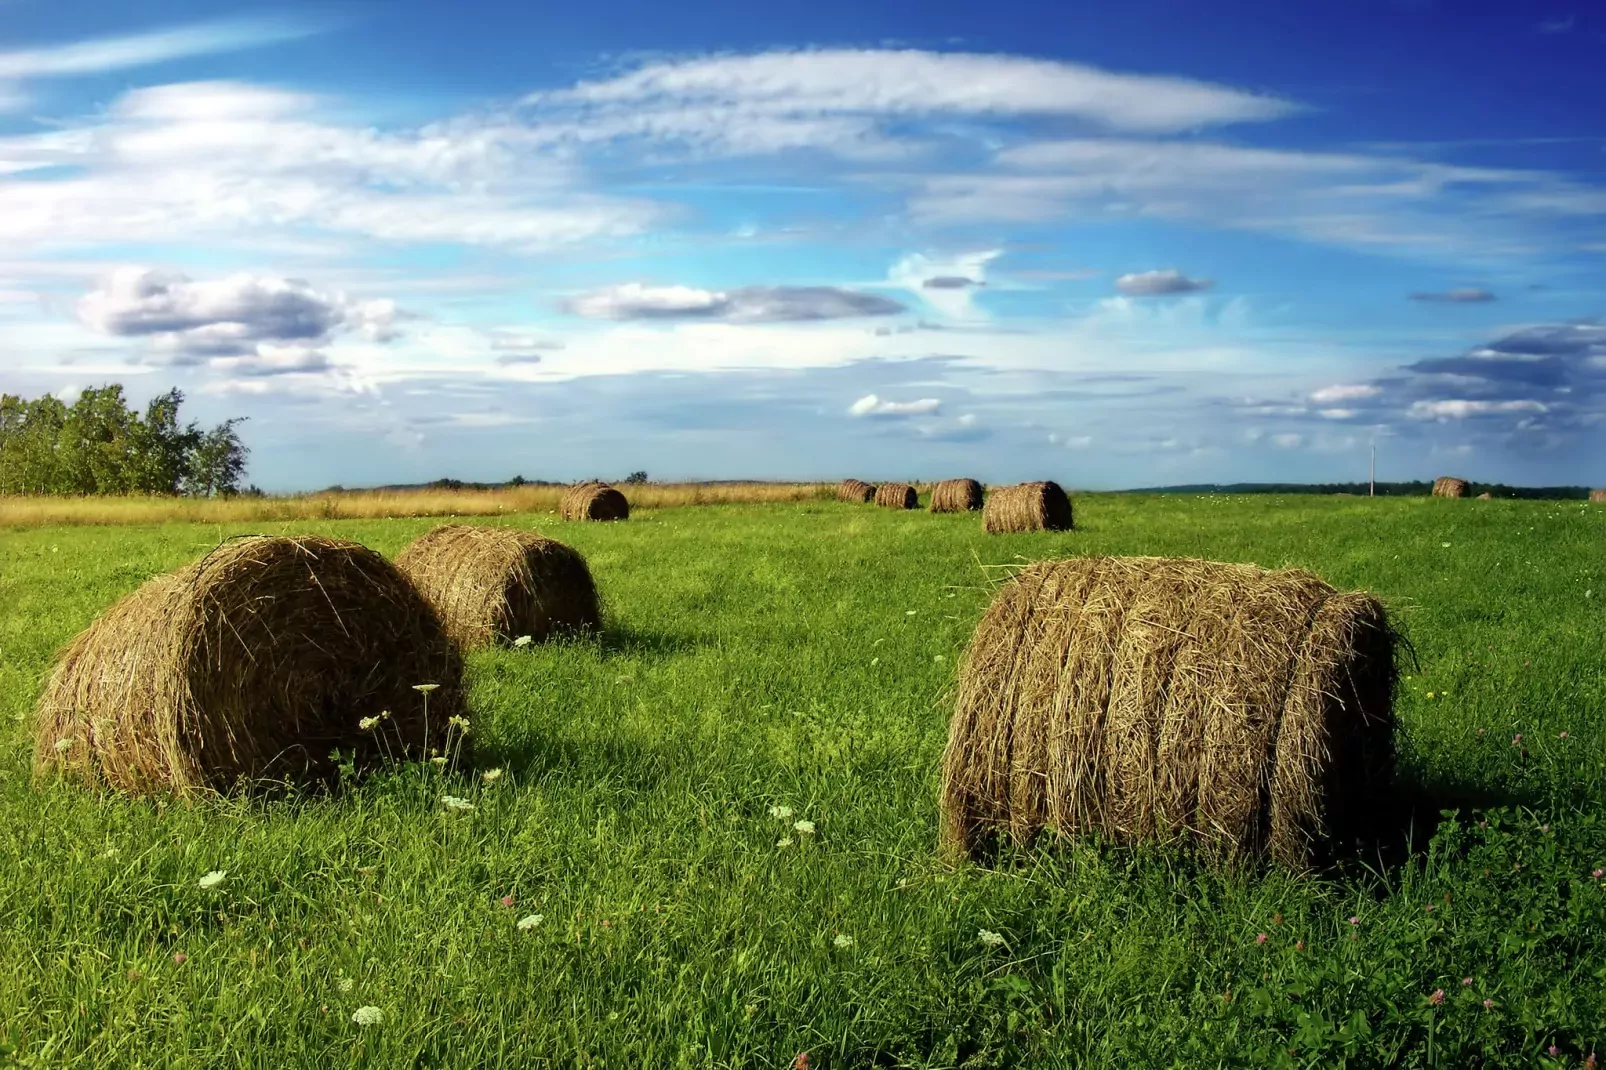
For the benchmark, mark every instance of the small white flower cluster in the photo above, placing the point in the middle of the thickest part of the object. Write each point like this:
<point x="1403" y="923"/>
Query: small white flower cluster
<point x="368" y="1016"/>
<point x="529" y="921"/>
<point x="805" y="827"/>
<point x="843" y="940"/>
<point x="522" y="640"/>
<point x="345" y="984"/>
<point x="460" y="722"/>
<point x="213" y="879"/>
<point x="989" y="938"/>
<point x="65" y="745"/>
<point x="452" y="802"/>
<point x="491" y="775"/>
<point x="368" y="724"/>
<point x="781" y="813"/>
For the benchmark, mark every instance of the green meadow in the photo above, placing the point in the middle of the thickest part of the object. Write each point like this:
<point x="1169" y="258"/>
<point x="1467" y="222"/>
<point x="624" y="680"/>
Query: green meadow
<point x="623" y="893"/>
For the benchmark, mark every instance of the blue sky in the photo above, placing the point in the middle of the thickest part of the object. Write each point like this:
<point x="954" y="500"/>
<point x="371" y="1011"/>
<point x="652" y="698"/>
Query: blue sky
<point x="1123" y="245"/>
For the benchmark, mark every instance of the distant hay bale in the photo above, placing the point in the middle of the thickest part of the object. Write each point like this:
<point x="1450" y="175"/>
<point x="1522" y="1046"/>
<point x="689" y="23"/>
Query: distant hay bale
<point x="249" y="666"/>
<point x="1027" y="507"/>
<point x="1243" y="710"/>
<point x="896" y="496"/>
<point x="956" y="496"/>
<point x="594" y="501"/>
<point x="494" y="585"/>
<point x="1450" y="487"/>
<point x="1486" y="497"/>
<point x="855" y="490"/>
<point x="1598" y="495"/>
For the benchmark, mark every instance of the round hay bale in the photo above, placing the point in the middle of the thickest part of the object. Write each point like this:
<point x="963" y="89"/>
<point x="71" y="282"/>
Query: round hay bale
<point x="1598" y="495"/>
<point x="494" y="585"/>
<point x="1027" y="507"/>
<point x="594" y="501"/>
<point x="250" y="666"/>
<point x="956" y="496"/>
<point x="896" y="496"/>
<point x="855" y="490"/>
<point x="1450" y="487"/>
<point x="1486" y="497"/>
<point x="1243" y="710"/>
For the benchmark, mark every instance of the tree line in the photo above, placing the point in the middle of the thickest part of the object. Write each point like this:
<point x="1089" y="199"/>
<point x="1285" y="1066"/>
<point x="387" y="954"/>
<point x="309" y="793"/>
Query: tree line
<point x="100" y="444"/>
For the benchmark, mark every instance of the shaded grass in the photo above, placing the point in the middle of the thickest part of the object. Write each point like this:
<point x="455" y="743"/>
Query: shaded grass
<point x="760" y="656"/>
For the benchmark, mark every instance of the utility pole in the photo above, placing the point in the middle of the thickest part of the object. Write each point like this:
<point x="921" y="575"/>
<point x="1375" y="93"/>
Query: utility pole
<point x="1371" y="491"/>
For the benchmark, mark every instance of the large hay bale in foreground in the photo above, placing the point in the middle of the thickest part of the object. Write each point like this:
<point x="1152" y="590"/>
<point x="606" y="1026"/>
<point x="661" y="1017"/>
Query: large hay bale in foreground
<point x="1450" y="487"/>
<point x="855" y="490"/>
<point x="1027" y="507"/>
<point x="896" y="496"/>
<point x="1244" y="710"/>
<point x="251" y="665"/>
<point x="594" y="501"/>
<point x="956" y="496"/>
<point x="1598" y="495"/>
<point x="492" y="585"/>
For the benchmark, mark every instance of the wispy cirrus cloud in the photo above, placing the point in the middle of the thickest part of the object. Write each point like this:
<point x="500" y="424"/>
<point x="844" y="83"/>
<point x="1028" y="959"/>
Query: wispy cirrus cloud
<point x="748" y="304"/>
<point x="1468" y="296"/>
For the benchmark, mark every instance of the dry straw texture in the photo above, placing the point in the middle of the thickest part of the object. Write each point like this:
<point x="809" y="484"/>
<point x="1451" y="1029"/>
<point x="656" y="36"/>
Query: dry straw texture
<point x="1027" y="507"/>
<point x="896" y="496"/>
<point x="250" y="665"/>
<point x="855" y="490"/>
<point x="1147" y="698"/>
<point x="493" y="585"/>
<point x="594" y="501"/>
<point x="1450" y="487"/>
<point x="1597" y="495"/>
<point x="956" y="496"/>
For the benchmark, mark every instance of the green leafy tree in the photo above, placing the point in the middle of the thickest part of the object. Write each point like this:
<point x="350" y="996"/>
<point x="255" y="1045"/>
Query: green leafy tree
<point x="216" y="463"/>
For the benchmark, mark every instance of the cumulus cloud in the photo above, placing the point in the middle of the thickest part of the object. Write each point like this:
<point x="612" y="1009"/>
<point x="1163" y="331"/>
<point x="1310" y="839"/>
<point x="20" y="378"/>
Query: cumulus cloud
<point x="1461" y="408"/>
<point x="1345" y="392"/>
<point x="1159" y="283"/>
<point x="241" y="324"/>
<point x="871" y="405"/>
<point x="748" y="304"/>
<point x="1460" y="297"/>
<point x="947" y="285"/>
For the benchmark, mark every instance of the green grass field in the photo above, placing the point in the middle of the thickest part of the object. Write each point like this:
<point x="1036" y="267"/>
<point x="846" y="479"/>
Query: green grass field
<point x="803" y="656"/>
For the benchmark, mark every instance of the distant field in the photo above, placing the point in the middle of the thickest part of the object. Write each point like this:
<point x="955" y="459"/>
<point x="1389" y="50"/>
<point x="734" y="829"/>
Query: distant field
<point x="28" y="512"/>
<point x="802" y="655"/>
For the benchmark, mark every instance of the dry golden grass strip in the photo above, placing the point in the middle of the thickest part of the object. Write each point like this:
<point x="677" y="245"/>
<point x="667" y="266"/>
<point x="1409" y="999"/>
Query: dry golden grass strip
<point x="594" y="501"/>
<point x="956" y="496"/>
<point x="1598" y="495"/>
<point x="1246" y="711"/>
<point x="1450" y="487"/>
<point x="495" y="585"/>
<point x="251" y="666"/>
<point x="1027" y="507"/>
<point x="896" y="496"/>
<point x="855" y="490"/>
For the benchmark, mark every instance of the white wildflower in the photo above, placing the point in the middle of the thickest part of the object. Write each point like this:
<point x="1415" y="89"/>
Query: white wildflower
<point x="452" y="802"/>
<point x="491" y="775"/>
<point x="213" y="879"/>
<point x="938" y="657"/>
<point x="437" y="761"/>
<point x="781" y="812"/>
<point x="368" y="1016"/>
<point x="522" y="640"/>
<point x="425" y="688"/>
<point x="784" y="841"/>
<point x="460" y="722"/>
<point x="990" y="938"/>
<point x="529" y="921"/>
<point x="65" y="745"/>
<point x="805" y="827"/>
<point x="345" y="984"/>
<point x="367" y="723"/>
<point x="843" y="940"/>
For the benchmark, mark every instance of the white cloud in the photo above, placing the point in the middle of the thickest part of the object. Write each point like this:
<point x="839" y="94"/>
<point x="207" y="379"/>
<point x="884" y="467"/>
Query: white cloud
<point x="1158" y="283"/>
<point x="1288" y="441"/>
<point x="871" y="405"/>
<point x="143" y="49"/>
<point x="1460" y="297"/>
<point x="241" y="324"/>
<point x="748" y="304"/>
<point x="1345" y="392"/>
<point x="1460" y="409"/>
<point x="1336" y="414"/>
<point x="839" y="88"/>
<point x="958" y="279"/>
